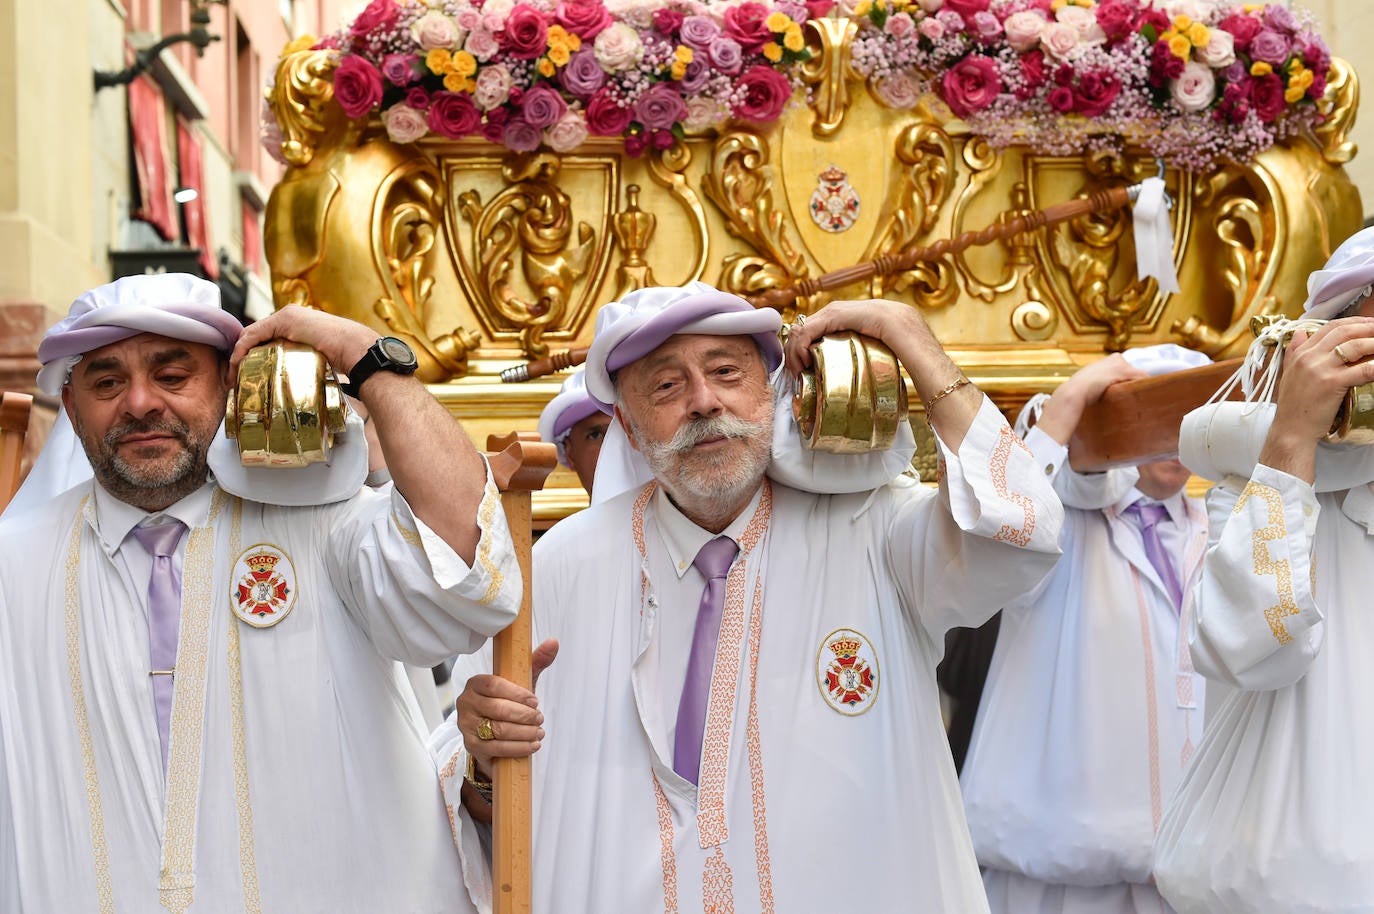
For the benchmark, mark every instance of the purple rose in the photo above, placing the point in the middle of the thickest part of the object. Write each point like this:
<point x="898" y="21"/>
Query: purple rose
<point x="986" y="27"/>
<point x="694" y="76"/>
<point x="1235" y="72"/>
<point x="542" y="106"/>
<point x="583" y="75"/>
<point x="698" y="32"/>
<point x="660" y="107"/>
<point x="605" y="117"/>
<point x="726" y="55"/>
<point x="399" y="69"/>
<point x="453" y="115"/>
<point x="357" y="86"/>
<point x="1280" y="18"/>
<point x="763" y="94"/>
<point x="521" y="136"/>
<point x="1270" y="47"/>
<point x="971" y="85"/>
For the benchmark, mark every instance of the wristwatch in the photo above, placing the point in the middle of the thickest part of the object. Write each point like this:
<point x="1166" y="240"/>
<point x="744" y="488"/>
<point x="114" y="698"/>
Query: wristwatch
<point x="387" y="354"/>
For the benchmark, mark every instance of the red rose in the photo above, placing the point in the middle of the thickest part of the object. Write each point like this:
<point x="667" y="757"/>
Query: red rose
<point x="818" y="9"/>
<point x="357" y="86"/>
<point x="667" y="22"/>
<point x="584" y="18"/>
<point x="1235" y="102"/>
<point x="1061" y="99"/>
<point x="605" y="117"/>
<point x="378" y="14"/>
<point x="1116" y="18"/>
<point x="970" y="85"/>
<point x="1266" y="94"/>
<point x="452" y="114"/>
<point x="1095" y="92"/>
<point x="966" y="8"/>
<point x="1243" y="28"/>
<point x="662" y="139"/>
<point x="1033" y="72"/>
<point x="1155" y="19"/>
<point x="1318" y="87"/>
<point x="764" y="93"/>
<point x="635" y="145"/>
<point x="495" y="124"/>
<point x="745" y="24"/>
<point x="1164" y="65"/>
<point x="526" y="35"/>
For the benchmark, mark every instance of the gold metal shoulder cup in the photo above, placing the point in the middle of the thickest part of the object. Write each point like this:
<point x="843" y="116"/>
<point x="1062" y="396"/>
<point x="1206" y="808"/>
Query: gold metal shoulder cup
<point x="287" y="407"/>
<point x="852" y="398"/>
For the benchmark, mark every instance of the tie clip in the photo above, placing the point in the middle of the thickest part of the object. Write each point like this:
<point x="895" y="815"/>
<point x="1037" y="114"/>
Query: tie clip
<point x="171" y="672"/>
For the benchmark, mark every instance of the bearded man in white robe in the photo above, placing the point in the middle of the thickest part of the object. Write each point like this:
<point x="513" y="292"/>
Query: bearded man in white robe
<point x="817" y="775"/>
<point x="1091" y="709"/>
<point x="251" y="743"/>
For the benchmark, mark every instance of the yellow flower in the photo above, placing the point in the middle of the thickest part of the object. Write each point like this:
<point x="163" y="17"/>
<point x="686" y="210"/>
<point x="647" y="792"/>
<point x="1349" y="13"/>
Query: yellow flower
<point x="546" y="67"/>
<point x="777" y="22"/>
<point x="1058" y="5"/>
<point x="1199" y="35"/>
<point x="772" y="52"/>
<point x="559" y="37"/>
<point x="303" y="43"/>
<point x="455" y="83"/>
<point x="464" y="64"/>
<point x="439" y="61"/>
<point x="1260" y="68"/>
<point x="1180" y="46"/>
<point x="677" y="70"/>
<point x="1181" y="23"/>
<point x="559" y="56"/>
<point x="863" y="8"/>
<point x="683" y="54"/>
<point x="794" y="40"/>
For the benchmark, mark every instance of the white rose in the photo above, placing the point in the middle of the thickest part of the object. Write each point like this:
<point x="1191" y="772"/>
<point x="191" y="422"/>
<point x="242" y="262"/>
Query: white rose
<point x="568" y="133"/>
<point x="931" y="6"/>
<point x="1023" y="30"/>
<point x="404" y="124"/>
<point x="702" y="112"/>
<point x="435" y="30"/>
<point x="1220" y="50"/>
<point x="1195" y="89"/>
<point x="498" y="9"/>
<point x="493" y="86"/>
<point x="899" y="90"/>
<point x="1060" y="41"/>
<point x="638" y="14"/>
<point x="618" y="48"/>
<point x="1085" y="22"/>
<point x="1190" y="8"/>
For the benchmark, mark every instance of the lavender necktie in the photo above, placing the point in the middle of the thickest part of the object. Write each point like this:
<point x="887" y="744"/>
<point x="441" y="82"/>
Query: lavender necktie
<point x="1149" y="517"/>
<point x="713" y="561"/>
<point x="164" y="618"/>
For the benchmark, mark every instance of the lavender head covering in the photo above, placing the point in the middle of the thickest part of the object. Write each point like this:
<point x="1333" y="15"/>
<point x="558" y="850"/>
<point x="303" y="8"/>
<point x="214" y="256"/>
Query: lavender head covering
<point x="571" y="405"/>
<point x="1345" y="279"/>
<point x="175" y="305"/>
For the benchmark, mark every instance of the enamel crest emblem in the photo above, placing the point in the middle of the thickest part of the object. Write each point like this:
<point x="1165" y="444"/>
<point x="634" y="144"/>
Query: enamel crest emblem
<point x="847" y="672"/>
<point x="835" y="202"/>
<point x="264" y="586"/>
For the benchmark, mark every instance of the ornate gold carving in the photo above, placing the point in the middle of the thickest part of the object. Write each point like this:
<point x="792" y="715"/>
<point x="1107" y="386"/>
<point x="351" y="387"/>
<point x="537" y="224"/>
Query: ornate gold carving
<point x="533" y="214"/>
<point x="1239" y="226"/>
<point x="741" y="183"/>
<point x="666" y="167"/>
<point x="1034" y="321"/>
<point x="302" y="97"/>
<point x="928" y="152"/>
<point x="633" y="228"/>
<point x="828" y="72"/>
<point x="1341" y="100"/>
<point x="984" y="164"/>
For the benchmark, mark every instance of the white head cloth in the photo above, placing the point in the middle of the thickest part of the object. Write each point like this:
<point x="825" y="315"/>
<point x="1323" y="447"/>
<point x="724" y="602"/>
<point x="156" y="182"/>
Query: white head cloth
<point x="570" y="406"/>
<point x="180" y="307"/>
<point x="630" y="329"/>
<point x="1347" y="277"/>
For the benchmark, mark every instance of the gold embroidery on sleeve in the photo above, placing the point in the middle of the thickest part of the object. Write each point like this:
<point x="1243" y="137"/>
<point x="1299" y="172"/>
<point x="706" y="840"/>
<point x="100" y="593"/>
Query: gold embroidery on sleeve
<point x="412" y="537"/>
<point x="998" y="468"/>
<point x="1266" y="564"/>
<point x="486" y="512"/>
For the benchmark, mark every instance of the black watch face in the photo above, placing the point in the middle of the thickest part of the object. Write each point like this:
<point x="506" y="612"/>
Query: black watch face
<point x="396" y="351"/>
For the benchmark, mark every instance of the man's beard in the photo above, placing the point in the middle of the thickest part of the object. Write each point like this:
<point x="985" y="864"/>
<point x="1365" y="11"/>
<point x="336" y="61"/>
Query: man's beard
<point x="171" y="478"/>
<point x="698" y="480"/>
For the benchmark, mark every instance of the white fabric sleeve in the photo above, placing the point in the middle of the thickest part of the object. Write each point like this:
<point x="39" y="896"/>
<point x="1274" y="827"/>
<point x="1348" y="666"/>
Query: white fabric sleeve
<point x="1256" y="624"/>
<point x="472" y="838"/>
<point x="1089" y="491"/>
<point x="416" y="598"/>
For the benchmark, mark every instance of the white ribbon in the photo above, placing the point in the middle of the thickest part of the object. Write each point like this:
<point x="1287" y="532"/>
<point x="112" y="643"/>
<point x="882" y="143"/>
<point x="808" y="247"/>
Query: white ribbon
<point x="1154" y="237"/>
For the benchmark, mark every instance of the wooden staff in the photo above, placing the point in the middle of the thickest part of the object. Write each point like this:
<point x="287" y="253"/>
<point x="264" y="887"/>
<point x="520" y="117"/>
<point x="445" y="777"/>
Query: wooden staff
<point x="1137" y="421"/>
<point x="14" y="424"/>
<point x="520" y="463"/>
<point x="909" y="257"/>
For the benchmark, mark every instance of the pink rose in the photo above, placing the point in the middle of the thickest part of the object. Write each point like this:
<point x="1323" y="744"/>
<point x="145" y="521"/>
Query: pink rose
<point x="542" y="106"/>
<point x="966" y="8"/>
<point x="745" y="24"/>
<point x="1095" y="92"/>
<point x="970" y="85"/>
<point x="584" y="18"/>
<point x="482" y="44"/>
<point x="1060" y="40"/>
<point x="818" y="9"/>
<point x="568" y="133"/>
<point x="521" y="136"/>
<point x="1116" y="18"/>
<point x="618" y="48"/>
<point x="493" y="86"/>
<point x="399" y="69"/>
<point x="468" y="19"/>
<point x="899" y="25"/>
<point x="526" y="35"/>
<point x="985" y="27"/>
<point x="899" y="90"/>
<point x="764" y="93"/>
<point x="605" y="117"/>
<point x="1219" y="52"/>
<point x="1195" y="87"/>
<point x="931" y="28"/>
<point x="452" y="114"/>
<point x="1242" y="27"/>
<point x="702" y="112"/>
<point x="1023" y="30"/>
<point x="435" y="30"/>
<point x="357" y="86"/>
<point x="378" y="14"/>
<point x="404" y="124"/>
<point x="1266" y="95"/>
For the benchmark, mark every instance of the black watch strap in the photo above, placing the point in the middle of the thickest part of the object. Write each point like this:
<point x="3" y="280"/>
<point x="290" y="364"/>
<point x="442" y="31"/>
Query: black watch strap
<point x="387" y="354"/>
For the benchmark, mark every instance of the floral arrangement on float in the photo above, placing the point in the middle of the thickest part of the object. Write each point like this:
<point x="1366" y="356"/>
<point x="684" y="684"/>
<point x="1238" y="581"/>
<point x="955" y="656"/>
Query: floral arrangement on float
<point x="1194" y="82"/>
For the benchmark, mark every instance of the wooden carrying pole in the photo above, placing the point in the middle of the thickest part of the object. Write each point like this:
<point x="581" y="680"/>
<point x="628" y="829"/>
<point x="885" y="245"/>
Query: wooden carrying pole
<point x="1138" y="421"/>
<point x="520" y="463"/>
<point x="14" y="423"/>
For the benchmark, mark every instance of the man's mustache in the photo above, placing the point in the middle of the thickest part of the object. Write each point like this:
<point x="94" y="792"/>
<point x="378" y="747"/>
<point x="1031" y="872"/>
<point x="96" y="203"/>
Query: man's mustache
<point x="180" y="430"/>
<point x="706" y="428"/>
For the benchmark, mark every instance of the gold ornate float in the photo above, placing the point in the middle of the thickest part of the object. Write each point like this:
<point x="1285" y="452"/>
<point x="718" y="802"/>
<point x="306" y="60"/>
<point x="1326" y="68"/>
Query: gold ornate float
<point x="482" y="258"/>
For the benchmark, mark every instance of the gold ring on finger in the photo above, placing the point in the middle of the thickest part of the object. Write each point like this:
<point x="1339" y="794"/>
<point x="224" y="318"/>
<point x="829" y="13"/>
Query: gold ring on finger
<point x="1340" y="353"/>
<point x="484" y="730"/>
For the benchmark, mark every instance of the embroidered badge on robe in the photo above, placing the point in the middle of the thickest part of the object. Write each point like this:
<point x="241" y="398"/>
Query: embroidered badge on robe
<point x="847" y="672"/>
<point x="264" y="586"/>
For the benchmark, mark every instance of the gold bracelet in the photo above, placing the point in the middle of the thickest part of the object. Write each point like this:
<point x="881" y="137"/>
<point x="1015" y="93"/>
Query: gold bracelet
<point x="482" y="787"/>
<point x="955" y="385"/>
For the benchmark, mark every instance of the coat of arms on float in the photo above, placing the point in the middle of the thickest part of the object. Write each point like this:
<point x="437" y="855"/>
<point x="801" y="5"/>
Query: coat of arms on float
<point x="835" y="202"/>
<point x="847" y="672"/>
<point x="264" y="588"/>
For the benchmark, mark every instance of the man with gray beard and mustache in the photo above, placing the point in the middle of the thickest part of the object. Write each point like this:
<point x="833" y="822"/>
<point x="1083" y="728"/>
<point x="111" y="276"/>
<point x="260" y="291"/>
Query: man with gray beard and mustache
<point x="201" y="704"/>
<point x="743" y="715"/>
